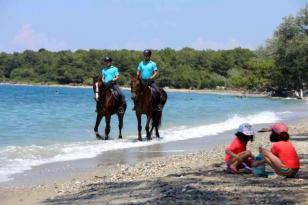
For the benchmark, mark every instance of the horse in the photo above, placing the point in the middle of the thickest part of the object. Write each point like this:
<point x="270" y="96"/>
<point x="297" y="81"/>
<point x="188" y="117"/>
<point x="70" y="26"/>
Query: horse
<point x="145" y="104"/>
<point x="106" y="105"/>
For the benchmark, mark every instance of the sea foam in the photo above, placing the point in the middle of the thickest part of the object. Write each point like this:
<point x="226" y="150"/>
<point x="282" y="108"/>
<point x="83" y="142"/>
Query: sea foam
<point x="16" y="159"/>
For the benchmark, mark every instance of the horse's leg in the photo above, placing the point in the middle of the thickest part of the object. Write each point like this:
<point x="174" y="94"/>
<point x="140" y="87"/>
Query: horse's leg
<point x="156" y="132"/>
<point x="152" y="124"/>
<point x="151" y="131"/>
<point x="107" y="128"/>
<point x="120" y="117"/>
<point x="99" y="117"/>
<point x="139" y="126"/>
<point x="157" y="117"/>
<point x="147" y="128"/>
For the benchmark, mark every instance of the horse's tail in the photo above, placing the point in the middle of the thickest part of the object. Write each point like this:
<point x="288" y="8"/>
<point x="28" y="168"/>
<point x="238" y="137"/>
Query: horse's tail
<point x="164" y="97"/>
<point x="156" y="122"/>
<point x="159" y="114"/>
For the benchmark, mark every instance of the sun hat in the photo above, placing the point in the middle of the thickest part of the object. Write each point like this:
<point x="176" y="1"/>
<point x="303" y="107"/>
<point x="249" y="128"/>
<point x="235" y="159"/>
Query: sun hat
<point x="279" y="128"/>
<point x="246" y="129"/>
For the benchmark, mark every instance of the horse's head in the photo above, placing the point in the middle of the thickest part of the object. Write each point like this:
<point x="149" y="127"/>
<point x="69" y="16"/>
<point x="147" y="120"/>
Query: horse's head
<point x="135" y="86"/>
<point x="98" y="87"/>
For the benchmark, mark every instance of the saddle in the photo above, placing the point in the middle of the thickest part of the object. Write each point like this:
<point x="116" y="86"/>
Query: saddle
<point x="148" y="83"/>
<point x="114" y="92"/>
<point x="121" y="105"/>
<point x="157" y="96"/>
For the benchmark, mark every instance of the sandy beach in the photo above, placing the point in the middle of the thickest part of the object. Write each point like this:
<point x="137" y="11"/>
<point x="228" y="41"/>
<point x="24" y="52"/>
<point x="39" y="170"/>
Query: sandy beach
<point x="194" y="178"/>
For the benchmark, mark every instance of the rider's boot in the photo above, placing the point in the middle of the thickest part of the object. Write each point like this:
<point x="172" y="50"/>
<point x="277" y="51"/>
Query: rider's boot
<point x="122" y="106"/>
<point x="121" y="109"/>
<point x="159" y="105"/>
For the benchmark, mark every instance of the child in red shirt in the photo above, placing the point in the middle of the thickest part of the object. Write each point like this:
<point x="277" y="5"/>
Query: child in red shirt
<point x="237" y="156"/>
<point x="283" y="157"/>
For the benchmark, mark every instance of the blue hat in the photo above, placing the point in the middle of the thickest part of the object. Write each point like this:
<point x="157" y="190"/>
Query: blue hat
<point x="246" y="129"/>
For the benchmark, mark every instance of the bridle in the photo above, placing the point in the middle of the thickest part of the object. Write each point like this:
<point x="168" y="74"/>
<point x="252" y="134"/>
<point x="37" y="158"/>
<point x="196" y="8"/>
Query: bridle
<point x="137" y="87"/>
<point x="96" y="91"/>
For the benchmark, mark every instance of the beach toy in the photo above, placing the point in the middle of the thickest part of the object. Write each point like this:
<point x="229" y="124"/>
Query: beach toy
<point x="259" y="171"/>
<point x="248" y="168"/>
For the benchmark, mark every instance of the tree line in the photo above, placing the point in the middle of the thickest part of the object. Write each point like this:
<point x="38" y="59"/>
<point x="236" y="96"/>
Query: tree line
<point x="281" y="62"/>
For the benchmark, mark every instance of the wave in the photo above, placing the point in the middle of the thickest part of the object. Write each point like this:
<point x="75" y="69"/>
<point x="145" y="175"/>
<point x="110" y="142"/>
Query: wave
<point x="16" y="159"/>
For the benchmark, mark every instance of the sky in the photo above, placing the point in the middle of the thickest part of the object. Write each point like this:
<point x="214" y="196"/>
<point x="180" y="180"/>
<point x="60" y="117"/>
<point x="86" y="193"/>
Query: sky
<point x="139" y="24"/>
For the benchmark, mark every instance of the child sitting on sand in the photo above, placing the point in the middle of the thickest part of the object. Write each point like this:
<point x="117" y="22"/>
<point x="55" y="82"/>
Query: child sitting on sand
<point x="237" y="156"/>
<point x="283" y="157"/>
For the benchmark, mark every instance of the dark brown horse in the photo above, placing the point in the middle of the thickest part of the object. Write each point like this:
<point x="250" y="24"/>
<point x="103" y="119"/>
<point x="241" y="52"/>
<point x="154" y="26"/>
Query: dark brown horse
<point x="106" y="105"/>
<point x="145" y="104"/>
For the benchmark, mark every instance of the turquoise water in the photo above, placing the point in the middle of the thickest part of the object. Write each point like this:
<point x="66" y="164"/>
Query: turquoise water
<point x="46" y="124"/>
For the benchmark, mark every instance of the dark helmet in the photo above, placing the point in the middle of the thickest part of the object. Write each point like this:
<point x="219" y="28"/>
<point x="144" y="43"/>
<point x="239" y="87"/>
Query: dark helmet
<point x="107" y="59"/>
<point x="147" y="52"/>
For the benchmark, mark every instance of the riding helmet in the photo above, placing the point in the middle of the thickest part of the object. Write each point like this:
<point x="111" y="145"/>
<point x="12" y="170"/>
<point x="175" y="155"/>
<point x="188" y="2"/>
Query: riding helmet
<point x="107" y="59"/>
<point x="147" y="52"/>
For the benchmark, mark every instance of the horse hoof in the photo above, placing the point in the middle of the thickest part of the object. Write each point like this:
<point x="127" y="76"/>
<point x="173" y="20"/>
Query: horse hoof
<point x="98" y="136"/>
<point x="140" y="139"/>
<point x="120" y="137"/>
<point x="106" y="138"/>
<point x="157" y="136"/>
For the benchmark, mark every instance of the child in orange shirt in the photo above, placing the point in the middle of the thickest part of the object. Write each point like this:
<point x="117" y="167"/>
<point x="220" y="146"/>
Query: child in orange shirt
<point x="237" y="155"/>
<point x="283" y="157"/>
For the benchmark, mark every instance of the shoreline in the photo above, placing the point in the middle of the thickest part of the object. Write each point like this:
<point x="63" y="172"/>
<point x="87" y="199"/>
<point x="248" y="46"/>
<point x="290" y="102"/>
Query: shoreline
<point x="230" y="92"/>
<point x="58" y="170"/>
<point x="240" y="93"/>
<point x="196" y="177"/>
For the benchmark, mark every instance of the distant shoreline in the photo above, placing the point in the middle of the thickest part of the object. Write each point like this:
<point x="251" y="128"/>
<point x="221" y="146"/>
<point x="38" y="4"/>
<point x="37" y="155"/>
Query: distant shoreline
<point x="230" y="92"/>
<point x="240" y="93"/>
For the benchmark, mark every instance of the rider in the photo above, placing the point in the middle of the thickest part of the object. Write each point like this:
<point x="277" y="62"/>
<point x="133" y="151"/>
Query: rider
<point x="147" y="71"/>
<point x="110" y="76"/>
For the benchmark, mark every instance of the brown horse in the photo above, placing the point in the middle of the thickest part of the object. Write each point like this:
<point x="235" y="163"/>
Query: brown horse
<point x="106" y="105"/>
<point x="145" y="104"/>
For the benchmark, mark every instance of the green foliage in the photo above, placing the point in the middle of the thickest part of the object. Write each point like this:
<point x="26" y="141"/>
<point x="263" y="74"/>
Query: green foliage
<point x="24" y="74"/>
<point x="186" y="68"/>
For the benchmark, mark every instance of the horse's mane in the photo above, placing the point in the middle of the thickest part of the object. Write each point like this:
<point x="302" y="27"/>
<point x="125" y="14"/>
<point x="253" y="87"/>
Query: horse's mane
<point x="133" y="78"/>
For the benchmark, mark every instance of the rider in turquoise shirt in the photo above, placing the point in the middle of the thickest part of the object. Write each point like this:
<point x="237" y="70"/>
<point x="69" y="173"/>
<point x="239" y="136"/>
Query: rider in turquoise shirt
<point x="147" y="71"/>
<point x="110" y="76"/>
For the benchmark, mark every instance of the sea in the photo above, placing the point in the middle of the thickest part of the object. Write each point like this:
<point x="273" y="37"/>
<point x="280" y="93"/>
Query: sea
<point x="47" y="124"/>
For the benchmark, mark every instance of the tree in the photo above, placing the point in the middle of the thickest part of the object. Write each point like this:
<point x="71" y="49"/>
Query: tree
<point x="289" y="48"/>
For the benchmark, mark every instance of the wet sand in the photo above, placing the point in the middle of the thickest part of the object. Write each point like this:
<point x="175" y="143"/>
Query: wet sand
<point x="189" y="178"/>
<point x="47" y="173"/>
